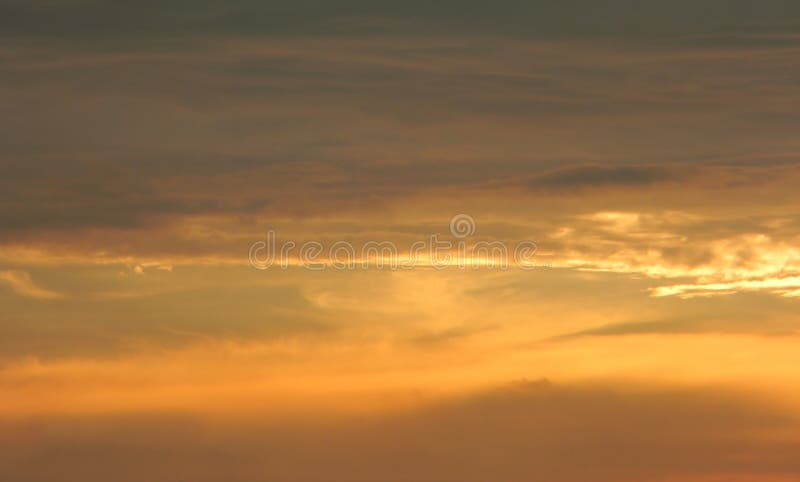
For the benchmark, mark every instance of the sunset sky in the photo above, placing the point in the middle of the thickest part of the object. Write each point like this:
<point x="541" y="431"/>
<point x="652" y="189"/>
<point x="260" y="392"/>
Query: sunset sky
<point x="648" y="149"/>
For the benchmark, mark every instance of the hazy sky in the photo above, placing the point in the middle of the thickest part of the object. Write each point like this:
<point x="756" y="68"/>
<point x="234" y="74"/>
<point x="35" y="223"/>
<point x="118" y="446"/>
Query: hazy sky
<point x="648" y="148"/>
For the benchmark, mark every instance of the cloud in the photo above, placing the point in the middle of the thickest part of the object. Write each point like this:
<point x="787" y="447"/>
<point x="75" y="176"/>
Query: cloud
<point x="450" y="335"/>
<point x="708" y="324"/>
<point x="788" y="286"/>
<point x="185" y="164"/>
<point x="22" y="284"/>
<point x="603" y="176"/>
<point x="525" y="431"/>
<point x="690" y="255"/>
<point x="91" y="19"/>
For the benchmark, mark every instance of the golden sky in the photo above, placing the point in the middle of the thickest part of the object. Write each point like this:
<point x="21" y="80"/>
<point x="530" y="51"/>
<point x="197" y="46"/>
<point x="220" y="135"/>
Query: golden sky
<point x="649" y="150"/>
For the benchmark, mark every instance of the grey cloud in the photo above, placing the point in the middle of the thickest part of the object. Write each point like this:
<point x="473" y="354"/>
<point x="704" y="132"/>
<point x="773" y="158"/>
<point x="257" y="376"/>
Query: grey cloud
<point x="309" y="125"/>
<point x="603" y="176"/>
<point x="91" y="19"/>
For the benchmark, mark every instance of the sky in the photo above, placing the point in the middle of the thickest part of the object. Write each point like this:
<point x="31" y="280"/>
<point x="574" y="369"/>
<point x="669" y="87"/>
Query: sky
<point x="151" y="153"/>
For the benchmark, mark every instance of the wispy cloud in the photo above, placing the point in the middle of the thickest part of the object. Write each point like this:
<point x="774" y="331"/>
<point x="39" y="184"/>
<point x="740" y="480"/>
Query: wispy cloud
<point x="21" y="283"/>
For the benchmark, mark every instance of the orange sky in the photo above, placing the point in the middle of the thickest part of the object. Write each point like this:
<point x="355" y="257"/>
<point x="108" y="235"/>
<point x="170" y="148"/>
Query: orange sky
<point x="648" y="151"/>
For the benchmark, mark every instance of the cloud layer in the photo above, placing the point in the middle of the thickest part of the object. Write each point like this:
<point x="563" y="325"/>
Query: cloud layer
<point x="649" y="149"/>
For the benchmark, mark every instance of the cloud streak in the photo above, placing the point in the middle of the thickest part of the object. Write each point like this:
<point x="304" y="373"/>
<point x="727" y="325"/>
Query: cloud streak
<point x="603" y="176"/>
<point x="21" y="283"/>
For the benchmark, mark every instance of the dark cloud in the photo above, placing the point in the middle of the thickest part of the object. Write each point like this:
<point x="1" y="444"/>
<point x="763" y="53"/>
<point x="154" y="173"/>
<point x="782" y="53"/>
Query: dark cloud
<point x="603" y="176"/>
<point x="223" y="124"/>
<point x="87" y="19"/>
